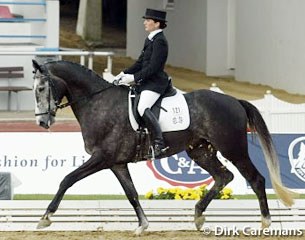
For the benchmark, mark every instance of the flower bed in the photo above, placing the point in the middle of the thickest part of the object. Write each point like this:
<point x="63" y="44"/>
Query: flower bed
<point x="186" y="194"/>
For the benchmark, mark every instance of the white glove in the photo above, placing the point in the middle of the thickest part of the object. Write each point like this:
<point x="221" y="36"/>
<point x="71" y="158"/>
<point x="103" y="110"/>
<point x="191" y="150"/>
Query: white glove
<point x="126" y="79"/>
<point x="119" y="76"/>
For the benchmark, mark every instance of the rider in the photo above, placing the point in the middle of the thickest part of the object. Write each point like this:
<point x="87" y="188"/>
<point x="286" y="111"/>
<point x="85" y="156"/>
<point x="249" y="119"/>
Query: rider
<point x="148" y="74"/>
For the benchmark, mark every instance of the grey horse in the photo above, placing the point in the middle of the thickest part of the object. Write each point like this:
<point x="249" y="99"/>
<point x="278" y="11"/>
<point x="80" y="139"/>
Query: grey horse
<point x="218" y="123"/>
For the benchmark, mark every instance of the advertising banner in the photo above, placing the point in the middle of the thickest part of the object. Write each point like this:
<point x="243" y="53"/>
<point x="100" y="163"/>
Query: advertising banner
<point x="290" y="149"/>
<point x="39" y="161"/>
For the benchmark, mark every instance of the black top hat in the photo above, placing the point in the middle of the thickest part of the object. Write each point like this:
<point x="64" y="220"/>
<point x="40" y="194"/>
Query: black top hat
<point x="155" y="14"/>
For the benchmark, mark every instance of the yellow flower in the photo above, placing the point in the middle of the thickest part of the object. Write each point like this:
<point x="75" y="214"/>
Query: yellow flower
<point x="149" y="195"/>
<point x="161" y="190"/>
<point x="196" y="195"/>
<point x="186" y="194"/>
<point x="186" y="197"/>
<point x="227" y="191"/>
<point x="224" y="197"/>
<point x="178" y="197"/>
<point x="173" y="190"/>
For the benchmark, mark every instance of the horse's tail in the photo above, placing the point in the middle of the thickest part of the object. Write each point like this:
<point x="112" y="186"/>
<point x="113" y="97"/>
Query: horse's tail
<point x="258" y="125"/>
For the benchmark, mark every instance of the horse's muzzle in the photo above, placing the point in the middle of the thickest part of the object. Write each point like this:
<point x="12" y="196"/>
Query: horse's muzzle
<point x="45" y="121"/>
<point x="44" y="125"/>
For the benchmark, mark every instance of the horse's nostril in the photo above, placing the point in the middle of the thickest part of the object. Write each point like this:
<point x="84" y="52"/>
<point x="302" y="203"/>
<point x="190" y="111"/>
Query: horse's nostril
<point x="43" y="124"/>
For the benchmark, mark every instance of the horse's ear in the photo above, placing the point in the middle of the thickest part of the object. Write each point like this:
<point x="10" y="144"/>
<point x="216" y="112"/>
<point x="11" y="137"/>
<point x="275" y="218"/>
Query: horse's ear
<point x="36" y="66"/>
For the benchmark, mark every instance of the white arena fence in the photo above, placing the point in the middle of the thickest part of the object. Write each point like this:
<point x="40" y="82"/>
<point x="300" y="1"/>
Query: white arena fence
<point x="118" y="215"/>
<point x="59" y="54"/>
<point x="280" y="116"/>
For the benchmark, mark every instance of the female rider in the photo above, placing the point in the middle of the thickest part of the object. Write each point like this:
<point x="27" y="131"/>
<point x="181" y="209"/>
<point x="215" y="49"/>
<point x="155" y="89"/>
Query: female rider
<point x="149" y="76"/>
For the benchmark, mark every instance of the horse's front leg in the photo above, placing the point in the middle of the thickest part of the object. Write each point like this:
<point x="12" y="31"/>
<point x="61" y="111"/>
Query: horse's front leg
<point x="205" y="156"/>
<point x="93" y="165"/>
<point x="122" y="174"/>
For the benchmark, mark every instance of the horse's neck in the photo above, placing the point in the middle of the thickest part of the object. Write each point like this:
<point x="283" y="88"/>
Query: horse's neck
<point x="77" y="79"/>
<point x="92" y="111"/>
<point x="79" y="83"/>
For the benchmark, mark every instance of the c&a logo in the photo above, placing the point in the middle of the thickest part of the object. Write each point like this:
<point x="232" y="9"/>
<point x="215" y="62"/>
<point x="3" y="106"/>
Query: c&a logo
<point x="296" y="154"/>
<point x="179" y="170"/>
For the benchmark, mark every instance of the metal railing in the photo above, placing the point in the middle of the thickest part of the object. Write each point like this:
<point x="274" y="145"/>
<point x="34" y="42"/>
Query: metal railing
<point x="23" y="3"/>
<point x="81" y="54"/>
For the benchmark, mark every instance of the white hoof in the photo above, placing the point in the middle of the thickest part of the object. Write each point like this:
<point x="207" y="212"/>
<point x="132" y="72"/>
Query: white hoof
<point x="199" y="221"/>
<point x="266" y="222"/>
<point x="44" y="221"/>
<point x="139" y="230"/>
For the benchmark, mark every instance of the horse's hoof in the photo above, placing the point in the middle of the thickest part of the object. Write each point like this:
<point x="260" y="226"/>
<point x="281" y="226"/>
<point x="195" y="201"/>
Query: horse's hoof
<point x="266" y="222"/>
<point x="140" y="230"/>
<point x="199" y="221"/>
<point x="44" y="222"/>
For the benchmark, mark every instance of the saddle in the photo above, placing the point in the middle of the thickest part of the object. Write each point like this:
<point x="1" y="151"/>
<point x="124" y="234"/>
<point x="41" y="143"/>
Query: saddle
<point x="170" y="91"/>
<point x="171" y="110"/>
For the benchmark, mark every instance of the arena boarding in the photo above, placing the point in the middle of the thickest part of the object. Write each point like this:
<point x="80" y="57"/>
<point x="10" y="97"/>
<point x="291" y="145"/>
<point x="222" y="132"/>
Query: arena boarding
<point x="163" y="215"/>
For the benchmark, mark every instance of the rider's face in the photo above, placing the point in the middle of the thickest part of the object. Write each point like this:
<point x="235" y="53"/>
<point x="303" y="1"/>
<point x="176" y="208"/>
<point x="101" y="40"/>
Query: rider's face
<point x="150" y="25"/>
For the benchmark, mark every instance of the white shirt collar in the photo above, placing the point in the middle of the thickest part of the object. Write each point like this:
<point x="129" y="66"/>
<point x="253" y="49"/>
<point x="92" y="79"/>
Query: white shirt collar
<point x="153" y="33"/>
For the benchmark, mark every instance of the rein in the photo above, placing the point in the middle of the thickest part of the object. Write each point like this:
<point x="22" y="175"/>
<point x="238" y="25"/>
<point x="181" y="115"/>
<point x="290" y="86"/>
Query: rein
<point x="67" y="104"/>
<point x="52" y="90"/>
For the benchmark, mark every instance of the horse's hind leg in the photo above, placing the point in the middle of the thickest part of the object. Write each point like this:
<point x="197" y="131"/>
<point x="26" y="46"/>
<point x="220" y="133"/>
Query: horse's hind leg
<point x="257" y="182"/>
<point x="122" y="174"/>
<point x="93" y="165"/>
<point x="205" y="156"/>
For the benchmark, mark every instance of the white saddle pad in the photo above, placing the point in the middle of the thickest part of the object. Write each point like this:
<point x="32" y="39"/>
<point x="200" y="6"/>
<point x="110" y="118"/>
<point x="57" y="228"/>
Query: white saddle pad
<point x="174" y="116"/>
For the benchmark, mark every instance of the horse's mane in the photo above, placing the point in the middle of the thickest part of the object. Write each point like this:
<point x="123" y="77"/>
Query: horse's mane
<point x="83" y="69"/>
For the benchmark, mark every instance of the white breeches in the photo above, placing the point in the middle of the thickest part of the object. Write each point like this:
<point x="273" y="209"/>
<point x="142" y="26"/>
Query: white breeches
<point x="147" y="100"/>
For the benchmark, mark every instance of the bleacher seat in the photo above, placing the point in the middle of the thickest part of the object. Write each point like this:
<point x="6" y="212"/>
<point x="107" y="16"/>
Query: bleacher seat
<point x="5" y="12"/>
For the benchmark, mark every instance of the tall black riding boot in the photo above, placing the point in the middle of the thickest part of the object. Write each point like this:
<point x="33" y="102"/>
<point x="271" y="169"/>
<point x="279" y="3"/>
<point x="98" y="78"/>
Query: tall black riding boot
<point x="153" y="126"/>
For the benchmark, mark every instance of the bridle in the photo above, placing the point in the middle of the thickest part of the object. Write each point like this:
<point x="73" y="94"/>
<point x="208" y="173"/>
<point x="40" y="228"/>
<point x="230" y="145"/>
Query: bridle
<point x="52" y="90"/>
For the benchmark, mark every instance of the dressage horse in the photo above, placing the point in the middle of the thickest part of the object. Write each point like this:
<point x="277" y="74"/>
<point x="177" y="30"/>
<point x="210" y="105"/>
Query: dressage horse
<point x="218" y="122"/>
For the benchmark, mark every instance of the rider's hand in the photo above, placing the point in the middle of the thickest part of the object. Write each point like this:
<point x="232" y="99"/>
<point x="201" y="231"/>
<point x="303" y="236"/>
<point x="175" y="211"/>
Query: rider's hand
<point x="126" y="79"/>
<point x="119" y="76"/>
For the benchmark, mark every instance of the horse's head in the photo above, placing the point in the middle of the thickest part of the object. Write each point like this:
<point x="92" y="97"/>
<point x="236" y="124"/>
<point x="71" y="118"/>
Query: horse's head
<point x="45" y="100"/>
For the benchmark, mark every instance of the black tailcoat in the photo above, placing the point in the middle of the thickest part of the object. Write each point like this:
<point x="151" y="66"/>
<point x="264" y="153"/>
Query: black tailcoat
<point x="148" y="70"/>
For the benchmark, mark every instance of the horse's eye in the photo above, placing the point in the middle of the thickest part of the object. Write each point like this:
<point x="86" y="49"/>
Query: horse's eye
<point x="40" y="89"/>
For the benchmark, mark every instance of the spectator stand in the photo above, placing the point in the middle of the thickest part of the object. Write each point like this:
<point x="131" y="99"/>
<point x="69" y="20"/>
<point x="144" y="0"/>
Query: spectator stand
<point x="25" y="26"/>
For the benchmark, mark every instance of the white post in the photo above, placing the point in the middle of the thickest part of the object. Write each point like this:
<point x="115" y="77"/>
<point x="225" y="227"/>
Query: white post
<point x="109" y="64"/>
<point x="52" y="24"/>
<point x="268" y="109"/>
<point x="81" y="18"/>
<point x="82" y="60"/>
<point x="90" y="60"/>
